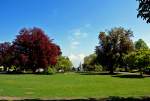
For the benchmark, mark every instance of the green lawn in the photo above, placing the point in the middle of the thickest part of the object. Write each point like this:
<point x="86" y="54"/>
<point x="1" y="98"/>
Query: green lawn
<point x="72" y="85"/>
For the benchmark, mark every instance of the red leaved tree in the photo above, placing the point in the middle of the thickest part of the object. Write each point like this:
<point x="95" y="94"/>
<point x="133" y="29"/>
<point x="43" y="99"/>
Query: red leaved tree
<point x="33" y="49"/>
<point x="5" y="54"/>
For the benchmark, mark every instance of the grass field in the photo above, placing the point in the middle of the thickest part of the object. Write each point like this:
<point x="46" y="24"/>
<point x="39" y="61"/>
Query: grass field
<point x="72" y="85"/>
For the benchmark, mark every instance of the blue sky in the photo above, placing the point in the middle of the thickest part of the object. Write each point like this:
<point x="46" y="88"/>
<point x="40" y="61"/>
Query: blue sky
<point x="73" y="24"/>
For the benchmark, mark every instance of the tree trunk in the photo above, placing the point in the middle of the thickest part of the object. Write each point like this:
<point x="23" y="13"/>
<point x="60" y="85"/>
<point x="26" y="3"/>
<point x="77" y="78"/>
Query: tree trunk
<point x="5" y="69"/>
<point x="34" y="70"/>
<point x="111" y="69"/>
<point x="126" y="69"/>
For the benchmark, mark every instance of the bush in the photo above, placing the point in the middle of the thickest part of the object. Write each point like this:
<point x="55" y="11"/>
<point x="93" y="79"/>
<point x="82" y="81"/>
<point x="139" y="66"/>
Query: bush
<point x="1" y="68"/>
<point x="50" y="71"/>
<point x="14" y="70"/>
<point x="98" y="68"/>
<point x="147" y="70"/>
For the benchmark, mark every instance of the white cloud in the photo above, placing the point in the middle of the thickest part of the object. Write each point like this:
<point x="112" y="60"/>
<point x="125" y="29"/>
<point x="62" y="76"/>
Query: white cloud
<point x="76" y="36"/>
<point x="76" y="58"/>
<point x="148" y="43"/>
<point x="77" y="33"/>
<point x="73" y="57"/>
<point x="75" y="43"/>
<point x="81" y="56"/>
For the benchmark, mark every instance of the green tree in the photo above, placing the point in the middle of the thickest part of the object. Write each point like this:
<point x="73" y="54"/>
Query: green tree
<point x="64" y="63"/>
<point x="144" y="10"/>
<point x="112" y="46"/>
<point x="139" y="59"/>
<point x="90" y="63"/>
<point x="140" y="44"/>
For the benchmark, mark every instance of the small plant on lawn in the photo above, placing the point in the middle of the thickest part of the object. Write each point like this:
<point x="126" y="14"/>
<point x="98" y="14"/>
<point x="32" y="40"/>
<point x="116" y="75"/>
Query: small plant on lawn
<point x="51" y="70"/>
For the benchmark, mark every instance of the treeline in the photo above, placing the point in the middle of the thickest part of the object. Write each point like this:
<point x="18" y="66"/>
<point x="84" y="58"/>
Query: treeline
<point x="116" y="50"/>
<point x="32" y="50"/>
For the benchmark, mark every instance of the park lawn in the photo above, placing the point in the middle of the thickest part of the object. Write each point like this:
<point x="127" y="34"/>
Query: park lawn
<point x="72" y="85"/>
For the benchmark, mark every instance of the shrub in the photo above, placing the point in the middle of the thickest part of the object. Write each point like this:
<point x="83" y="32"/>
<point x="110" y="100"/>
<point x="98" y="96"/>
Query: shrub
<point x="50" y="71"/>
<point x="98" y="68"/>
<point x="147" y="70"/>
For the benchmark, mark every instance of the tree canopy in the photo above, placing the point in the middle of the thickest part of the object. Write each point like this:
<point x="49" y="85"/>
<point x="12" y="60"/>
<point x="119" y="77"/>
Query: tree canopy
<point x="64" y="63"/>
<point x="138" y="59"/>
<point x="140" y="44"/>
<point x="144" y="10"/>
<point x="112" y="45"/>
<point x="5" y="54"/>
<point x="91" y="64"/>
<point x="31" y="49"/>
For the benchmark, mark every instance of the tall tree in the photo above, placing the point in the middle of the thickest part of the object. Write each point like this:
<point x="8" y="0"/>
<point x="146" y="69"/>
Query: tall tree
<point x="140" y="44"/>
<point x="34" y="49"/>
<point x="112" y="45"/>
<point x="144" y="10"/>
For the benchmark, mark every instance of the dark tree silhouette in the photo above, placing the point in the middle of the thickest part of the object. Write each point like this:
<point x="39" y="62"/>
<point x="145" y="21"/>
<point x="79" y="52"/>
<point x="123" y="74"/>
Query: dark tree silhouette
<point x="112" y="46"/>
<point x="144" y="10"/>
<point x="5" y="54"/>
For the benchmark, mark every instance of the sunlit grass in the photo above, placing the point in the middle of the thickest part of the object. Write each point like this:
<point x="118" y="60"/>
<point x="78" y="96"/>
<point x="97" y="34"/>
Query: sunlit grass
<point x="72" y="85"/>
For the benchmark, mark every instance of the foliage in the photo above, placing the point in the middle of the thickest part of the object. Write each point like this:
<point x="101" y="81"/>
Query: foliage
<point x="50" y="70"/>
<point x="63" y="63"/>
<point x="112" y="46"/>
<point x="32" y="49"/>
<point x="144" y="10"/>
<point x="98" y="68"/>
<point x="5" y="54"/>
<point x="140" y="44"/>
<point x="147" y="70"/>
<point x="139" y="59"/>
<point x="90" y="63"/>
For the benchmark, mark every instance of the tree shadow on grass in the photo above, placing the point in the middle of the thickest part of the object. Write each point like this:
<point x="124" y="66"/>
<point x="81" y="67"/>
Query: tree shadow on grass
<point x="97" y="73"/>
<point x="24" y="73"/>
<point x="112" y="98"/>
<point x="115" y="98"/>
<point x="130" y="76"/>
<point x="90" y="99"/>
<point x="117" y="74"/>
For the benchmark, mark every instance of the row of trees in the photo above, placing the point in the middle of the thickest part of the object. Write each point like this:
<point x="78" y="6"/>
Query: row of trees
<point x="32" y="49"/>
<point x="117" y="50"/>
